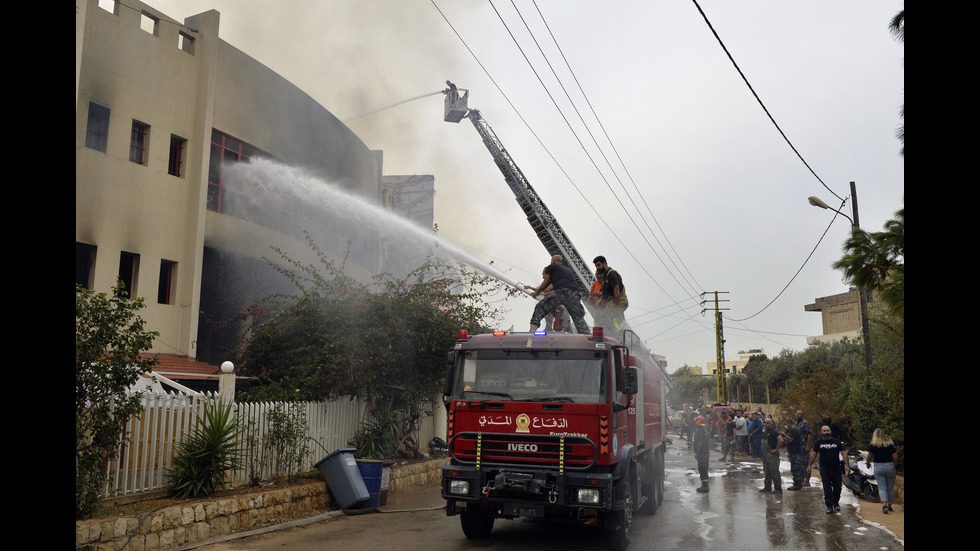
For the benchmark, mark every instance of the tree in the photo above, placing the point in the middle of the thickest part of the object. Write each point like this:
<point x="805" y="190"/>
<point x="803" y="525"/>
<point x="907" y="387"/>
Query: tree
<point x="109" y="338"/>
<point x="897" y="28"/>
<point x="688" y="386"/>
<point x="876" y="262"/>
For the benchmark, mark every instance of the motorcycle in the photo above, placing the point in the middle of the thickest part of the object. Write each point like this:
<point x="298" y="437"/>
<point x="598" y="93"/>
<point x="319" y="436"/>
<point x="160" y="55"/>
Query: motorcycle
<point x="861" y="481"/>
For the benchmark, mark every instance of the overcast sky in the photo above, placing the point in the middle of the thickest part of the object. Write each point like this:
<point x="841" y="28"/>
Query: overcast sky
<point x="648" y="145"/>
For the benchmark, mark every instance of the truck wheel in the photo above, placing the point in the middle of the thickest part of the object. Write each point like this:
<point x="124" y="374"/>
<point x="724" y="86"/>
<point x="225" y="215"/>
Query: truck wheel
<point x="620" y="522"/>
<point x="653" y="486"/>
<point x="659" y="474"/>
<point x="476" y="524"/>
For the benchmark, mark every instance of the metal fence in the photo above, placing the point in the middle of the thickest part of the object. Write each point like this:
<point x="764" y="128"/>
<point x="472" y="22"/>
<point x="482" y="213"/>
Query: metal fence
<point x="150" y="440"/>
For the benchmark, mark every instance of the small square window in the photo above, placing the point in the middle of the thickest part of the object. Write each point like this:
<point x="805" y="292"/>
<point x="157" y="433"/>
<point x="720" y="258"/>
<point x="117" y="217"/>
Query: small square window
<point x="149" y="23"/>
<point x="185" y="42"/>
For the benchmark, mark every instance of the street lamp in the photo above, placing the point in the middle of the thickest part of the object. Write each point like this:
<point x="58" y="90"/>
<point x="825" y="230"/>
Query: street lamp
<point x="862" y="299"/>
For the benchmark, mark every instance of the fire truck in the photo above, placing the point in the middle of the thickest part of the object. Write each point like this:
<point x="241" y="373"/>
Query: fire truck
<point x="552" y="425"/>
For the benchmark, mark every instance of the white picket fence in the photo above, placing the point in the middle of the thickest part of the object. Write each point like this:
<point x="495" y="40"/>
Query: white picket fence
<point x="150" y="440"/>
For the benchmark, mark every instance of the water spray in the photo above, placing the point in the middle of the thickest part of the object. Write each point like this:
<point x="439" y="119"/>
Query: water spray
<point x="263" y="181"/>
<point x="393" y="105"/>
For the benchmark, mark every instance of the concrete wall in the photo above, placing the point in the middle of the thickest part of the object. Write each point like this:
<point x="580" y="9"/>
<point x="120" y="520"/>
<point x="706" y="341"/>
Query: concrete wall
<point x="198" y="521"/>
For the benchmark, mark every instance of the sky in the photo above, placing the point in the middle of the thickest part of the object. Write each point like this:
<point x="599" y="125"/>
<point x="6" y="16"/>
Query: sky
<point x="681" y="146"/>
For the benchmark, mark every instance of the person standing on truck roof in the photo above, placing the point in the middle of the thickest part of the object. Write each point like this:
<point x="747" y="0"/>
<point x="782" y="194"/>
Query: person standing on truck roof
<point x="565" y="293"/>
<point x="613" y="291"/>
<point x="701" y="437"/>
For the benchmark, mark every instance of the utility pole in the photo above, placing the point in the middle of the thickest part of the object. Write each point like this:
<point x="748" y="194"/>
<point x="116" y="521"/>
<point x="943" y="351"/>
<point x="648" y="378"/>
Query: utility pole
<point x="719" y="343"/>
<point x="862" y="297"/>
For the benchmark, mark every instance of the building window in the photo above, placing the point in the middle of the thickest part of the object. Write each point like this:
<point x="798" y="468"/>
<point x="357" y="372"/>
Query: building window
<point x="129" y="265"/>
<point x="175" y="166"/>
<point x="97" y="132"/>
<point x="138" y="143"/>
<point x="224" y="150"/>
<point x="165" y="293"/>
<point x="185" y="42"/>
<point x="149" y="23"/>
<point x="84" y="264"/>
<point x="108" y="5"/>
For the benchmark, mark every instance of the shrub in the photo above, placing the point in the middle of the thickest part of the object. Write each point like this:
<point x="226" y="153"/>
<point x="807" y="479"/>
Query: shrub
<point x="208" y="455"/>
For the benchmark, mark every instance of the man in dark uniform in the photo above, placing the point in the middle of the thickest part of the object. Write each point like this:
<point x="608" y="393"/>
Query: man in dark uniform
<point x="796" y="453"/>
<point x="832" y="453"/>
<point x="771" y="442"/>
<point x="701" y="438"/>
<point x="565" y="293"/>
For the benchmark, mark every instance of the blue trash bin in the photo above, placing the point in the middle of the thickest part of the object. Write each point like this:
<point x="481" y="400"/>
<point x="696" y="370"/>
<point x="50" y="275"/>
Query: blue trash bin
<point x="343" y="478"/>
<point x="371" y="470"/>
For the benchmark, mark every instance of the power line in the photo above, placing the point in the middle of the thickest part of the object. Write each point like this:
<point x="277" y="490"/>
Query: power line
<point x="758" y="99"/>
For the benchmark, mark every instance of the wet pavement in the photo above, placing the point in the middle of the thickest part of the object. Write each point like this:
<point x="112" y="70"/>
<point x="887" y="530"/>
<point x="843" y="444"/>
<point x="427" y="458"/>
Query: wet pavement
<point x="732" y="516"/>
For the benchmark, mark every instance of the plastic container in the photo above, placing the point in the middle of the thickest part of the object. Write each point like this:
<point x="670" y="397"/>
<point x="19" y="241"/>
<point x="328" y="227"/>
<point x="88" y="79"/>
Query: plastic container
<point x="371" y="471"/>
<point x="343" y="478"/>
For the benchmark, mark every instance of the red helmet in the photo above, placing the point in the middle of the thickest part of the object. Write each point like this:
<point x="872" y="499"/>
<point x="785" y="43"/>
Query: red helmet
<point x="699" y="421"/>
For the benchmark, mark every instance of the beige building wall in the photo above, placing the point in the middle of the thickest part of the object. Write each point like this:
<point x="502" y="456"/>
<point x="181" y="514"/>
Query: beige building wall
<point x="840" y="314"/>
<point x="183" y="81"/>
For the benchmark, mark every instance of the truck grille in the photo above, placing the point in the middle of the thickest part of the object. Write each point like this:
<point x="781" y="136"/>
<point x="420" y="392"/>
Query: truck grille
<point x="495" y="449"/>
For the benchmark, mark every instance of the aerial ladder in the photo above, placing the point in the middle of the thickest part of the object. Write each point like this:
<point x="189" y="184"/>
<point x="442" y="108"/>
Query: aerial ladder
<point x="542" y="221"/>
<point x="544" y="224"/>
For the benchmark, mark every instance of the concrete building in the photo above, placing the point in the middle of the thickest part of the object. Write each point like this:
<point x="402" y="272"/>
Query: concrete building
<point x="735" y="366"/>
<point x="164" y="111"/>
<point x="841" y="316"/>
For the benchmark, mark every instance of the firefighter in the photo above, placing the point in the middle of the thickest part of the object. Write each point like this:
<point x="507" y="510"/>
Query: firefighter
<point x="565" y="293"/>
<point x="613" y="301"/>
<point x="701" y="436"/>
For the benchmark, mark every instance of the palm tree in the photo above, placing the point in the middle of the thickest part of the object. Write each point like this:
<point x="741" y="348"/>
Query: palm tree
<point x="897" y="28"/>
<point x="876" y="262"/>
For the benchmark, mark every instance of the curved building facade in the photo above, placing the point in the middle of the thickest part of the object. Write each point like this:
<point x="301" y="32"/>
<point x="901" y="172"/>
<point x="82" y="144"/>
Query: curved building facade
<point x="163" y="111"/>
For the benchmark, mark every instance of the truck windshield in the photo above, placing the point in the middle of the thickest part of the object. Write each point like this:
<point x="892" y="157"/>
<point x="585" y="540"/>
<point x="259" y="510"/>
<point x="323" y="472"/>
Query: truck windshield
<point x="539" y="376"/>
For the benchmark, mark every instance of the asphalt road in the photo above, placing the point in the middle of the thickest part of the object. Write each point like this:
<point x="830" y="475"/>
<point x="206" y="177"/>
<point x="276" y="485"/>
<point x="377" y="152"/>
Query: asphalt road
<point x="733" y="516"/>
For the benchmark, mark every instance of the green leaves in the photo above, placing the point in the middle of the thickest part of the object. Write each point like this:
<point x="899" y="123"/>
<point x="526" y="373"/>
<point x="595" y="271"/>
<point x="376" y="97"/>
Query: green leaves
<point x="209" y="454"/>
<point x="109" y="338"/>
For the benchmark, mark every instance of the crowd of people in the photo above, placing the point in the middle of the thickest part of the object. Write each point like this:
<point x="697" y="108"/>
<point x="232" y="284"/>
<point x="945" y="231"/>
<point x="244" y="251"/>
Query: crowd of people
<point x="757" y="435"/>
<point x="753" y="433"/>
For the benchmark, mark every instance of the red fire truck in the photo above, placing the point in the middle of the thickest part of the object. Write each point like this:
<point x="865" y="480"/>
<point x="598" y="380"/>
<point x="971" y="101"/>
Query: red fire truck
<point x="552" y="425"/>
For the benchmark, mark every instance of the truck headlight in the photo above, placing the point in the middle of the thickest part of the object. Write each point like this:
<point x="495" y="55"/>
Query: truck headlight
<point x="588" y="495"/>
<point x="459" y="487"/>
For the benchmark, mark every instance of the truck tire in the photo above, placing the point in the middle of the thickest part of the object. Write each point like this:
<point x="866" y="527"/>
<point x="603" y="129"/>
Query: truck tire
<point x="660" y="473"/>
<point x="653" y="485"/>
<point x="620" y="523"/>
<point x="476" y="524"/>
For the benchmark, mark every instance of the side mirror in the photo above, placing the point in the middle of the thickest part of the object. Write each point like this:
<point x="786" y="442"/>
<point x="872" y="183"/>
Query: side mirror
<point x="447" y="389"/>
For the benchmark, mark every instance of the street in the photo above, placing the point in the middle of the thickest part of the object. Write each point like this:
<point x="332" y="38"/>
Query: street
<point x="733" y="516"/>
